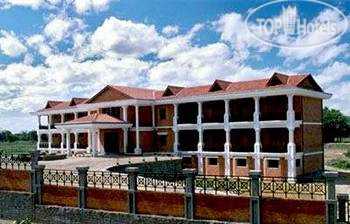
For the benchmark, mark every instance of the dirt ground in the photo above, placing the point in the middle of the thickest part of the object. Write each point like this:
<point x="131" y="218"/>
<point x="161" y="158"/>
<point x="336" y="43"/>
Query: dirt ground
<point x="343" y="182"/>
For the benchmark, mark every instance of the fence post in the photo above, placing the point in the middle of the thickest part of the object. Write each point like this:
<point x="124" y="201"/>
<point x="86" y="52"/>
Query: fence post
<point x="331" y="202"/>
<point x="34" y="157"/>
<point x="132" y="177"/>
<point x="82" y="172"/>
<point x="255" y="176"/>
<point x="342" y="200"/>
<point x="190" y="192"/>
<point x="39" y="182"/>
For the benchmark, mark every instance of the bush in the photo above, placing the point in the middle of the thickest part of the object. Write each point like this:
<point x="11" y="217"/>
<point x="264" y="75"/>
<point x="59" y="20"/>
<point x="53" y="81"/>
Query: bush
<point x="341" y="164"/>
<point x="24" y="221"/>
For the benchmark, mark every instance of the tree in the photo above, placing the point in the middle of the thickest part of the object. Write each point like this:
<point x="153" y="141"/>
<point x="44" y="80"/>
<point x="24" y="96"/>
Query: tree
<point x="335" y="125"/>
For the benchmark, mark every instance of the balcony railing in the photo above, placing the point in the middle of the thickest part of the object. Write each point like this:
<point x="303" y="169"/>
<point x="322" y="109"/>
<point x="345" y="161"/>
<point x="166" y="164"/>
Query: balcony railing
<point x="52" y="126"/>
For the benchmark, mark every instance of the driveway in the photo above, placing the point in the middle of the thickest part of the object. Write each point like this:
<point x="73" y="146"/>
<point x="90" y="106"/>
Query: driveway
<point x="99" y="163"/>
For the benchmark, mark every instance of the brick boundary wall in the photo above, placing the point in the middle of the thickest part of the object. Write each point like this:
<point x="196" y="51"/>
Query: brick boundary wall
<point x="19" y="205"/>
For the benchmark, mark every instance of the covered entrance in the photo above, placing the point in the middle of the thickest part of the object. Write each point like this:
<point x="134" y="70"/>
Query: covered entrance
<point x="106" y="134"/>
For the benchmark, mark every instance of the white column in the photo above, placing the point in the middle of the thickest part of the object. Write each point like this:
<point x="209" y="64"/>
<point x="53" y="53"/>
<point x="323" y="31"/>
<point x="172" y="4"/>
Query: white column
<point x="62" y="118"/>
<point x="39" y="140"/>
<point x="137" y="149"/>
<point x="49" y="133"/>
<point x="93" y="142"/>
<point x="39" y="121"/>
<point x="176" y="130"/>
<point x="62" y="140"/>
<point x="257" y="144"/>
<point x="200" y="139"/>
<point x="291" y="145"/>
<point x="76" y="140"/>
<point x="69" y="151"/>
<point x="125" y="135"/>
<point x="89" y="141"/>
<point x="227" y="145"/>
<point x="98" y="141"/>
<point x="153" y="117"/>
<point x="75" y="115"/>
<point x="125" y="113"/>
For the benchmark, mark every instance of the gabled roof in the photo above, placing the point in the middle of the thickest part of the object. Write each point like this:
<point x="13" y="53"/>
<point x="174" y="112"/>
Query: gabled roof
<point x="172" y="90"/>
<point x="52" y="103"/>
<point x="95" y="118"/>
<point x="113" y="93"/>
<point x="76" y="101"/>
<point x="219" y="85"/>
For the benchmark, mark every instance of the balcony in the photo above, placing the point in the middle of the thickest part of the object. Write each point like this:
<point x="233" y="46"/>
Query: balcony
<point x="52" y="126"/>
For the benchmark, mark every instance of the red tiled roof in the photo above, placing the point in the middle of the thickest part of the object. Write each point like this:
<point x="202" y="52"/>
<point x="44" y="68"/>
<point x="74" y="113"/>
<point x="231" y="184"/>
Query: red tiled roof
<point x="179" y="92"/>
<point x="95" y="118"/>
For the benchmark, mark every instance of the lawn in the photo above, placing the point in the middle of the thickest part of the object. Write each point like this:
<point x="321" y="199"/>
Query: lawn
<point x="17" y="147"/>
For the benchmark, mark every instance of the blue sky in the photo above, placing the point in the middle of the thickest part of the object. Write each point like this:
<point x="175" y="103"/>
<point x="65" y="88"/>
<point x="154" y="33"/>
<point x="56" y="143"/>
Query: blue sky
<point x="58" y="49"/>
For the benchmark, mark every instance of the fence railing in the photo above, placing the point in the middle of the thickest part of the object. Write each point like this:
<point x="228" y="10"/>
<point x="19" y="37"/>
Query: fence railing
<point x="161" y="182"/>
<point x="301" y="188"/>
<point x="18" y="162"/>
<point x="102" y="179"/>
<point x="343" y="208"/>
<point x="226" y="185"/>
<point x="61" y="177"/>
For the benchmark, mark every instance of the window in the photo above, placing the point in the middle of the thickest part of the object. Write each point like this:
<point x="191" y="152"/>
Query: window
<point x="298" y="163"/>
<point x="162" y="114"/>
<point x="163" y="141"/>
<point x="241" y="162"/>
<point x="213" y="161"/>
<point x="273" y="163"/>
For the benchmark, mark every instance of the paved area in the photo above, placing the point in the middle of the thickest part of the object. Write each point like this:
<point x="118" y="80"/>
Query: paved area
<point x="99" y="163"/>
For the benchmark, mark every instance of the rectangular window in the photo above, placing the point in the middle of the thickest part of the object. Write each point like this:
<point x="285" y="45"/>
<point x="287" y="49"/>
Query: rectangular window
<point x="297" y="163"/>
<point x="162" y="114"/>
<point x="241" y="162"/>
<point x="273" y="163"/>
<point x="213" y="161"/>
<point x="163" y="141"/>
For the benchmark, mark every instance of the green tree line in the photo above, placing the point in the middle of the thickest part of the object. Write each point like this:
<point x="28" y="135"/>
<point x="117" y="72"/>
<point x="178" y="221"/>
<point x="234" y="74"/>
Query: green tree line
<point x="8" y="136"/>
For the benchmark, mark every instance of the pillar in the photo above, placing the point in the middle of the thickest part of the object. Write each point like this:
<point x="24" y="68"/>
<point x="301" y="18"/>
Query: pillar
<point x="132" y="176"/>
<point x="98" y="141"/>
<point x="227" y="145"/>
<point x="62" y="140"/>
<point x="257" y="144"/>
<point x="75" y="115"/>
<point x="62" y="118"/>
<point x="331" y="202"/>
<point x="93" y="142"/>
<point x="342" y="203"/>
<point x="125" y="113"/>
<point x="190" y="175"/>
<point x="89" y="141"/>
<point x="82" y="171"/>
<point x="69" y="151"/>
<point x="200" y="139"/>
<point x="34" y="158"/>
<point x="39" y="182"/>
<point x="137" y="149"/>
<point x="176" y="130"/>
<point x="39" y="121"/>
<point x="49" y="133"/>
<point x="153" y="117"/>
<point x="291" y="145"/>
<point x="255" y="196"/>
<point x="125" y="136"/>
<point x="76" y="140"/>
<point x="39" y="140"/>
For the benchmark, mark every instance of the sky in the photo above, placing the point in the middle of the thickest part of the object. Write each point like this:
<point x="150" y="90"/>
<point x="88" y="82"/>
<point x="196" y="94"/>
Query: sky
<point x="59" y="49"/>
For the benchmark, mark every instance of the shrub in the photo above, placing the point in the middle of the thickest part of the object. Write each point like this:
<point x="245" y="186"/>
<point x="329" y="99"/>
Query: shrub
<point x="341" y="164"/>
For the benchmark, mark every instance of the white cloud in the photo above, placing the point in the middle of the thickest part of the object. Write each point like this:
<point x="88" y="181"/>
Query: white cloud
<point x="170" y="30"/>
<point x="39" y="43"/>
<point x="332" y="74"/>
<point x="10" y="45"/>
<point x="35" y="4"/>
<point x="124" y="37"/>
<point x="82" y="6"/>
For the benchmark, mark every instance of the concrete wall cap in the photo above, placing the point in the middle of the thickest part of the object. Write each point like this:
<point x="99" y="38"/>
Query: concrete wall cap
<point x="330" y="174"/>
<point x="342" y="196"/>
<point x="189" y="171"/>
<point x="82" y="168"/>
<point x="254" y="173"/>
<point x="132" y="169"/>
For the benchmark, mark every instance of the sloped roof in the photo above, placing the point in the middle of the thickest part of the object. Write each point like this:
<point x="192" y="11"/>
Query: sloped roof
<point x="277" y="80"/>
<point x="95" y="118"/>
<point x="76" y="101"/>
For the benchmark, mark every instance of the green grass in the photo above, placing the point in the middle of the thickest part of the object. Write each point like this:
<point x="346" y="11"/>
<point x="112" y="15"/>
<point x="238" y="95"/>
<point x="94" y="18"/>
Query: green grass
<point x="17" y="147"/>
<point x="347" y="153"/>
<point x="341" y="164"/>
